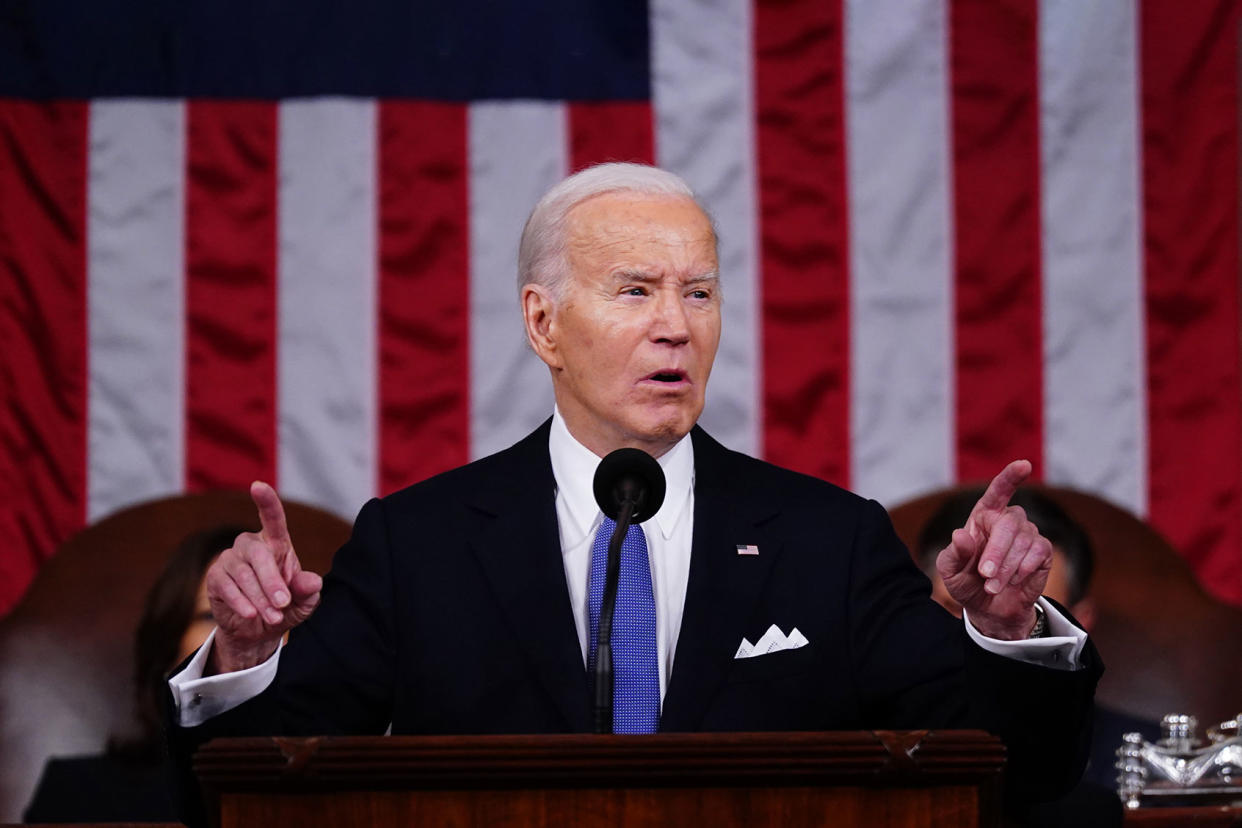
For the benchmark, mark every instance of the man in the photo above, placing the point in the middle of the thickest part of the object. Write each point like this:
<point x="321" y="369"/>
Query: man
<point x="462" y="604"/>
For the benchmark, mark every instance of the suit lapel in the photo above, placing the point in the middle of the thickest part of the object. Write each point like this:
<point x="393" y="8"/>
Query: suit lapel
<point x="723" y="586"/>
<point x="518" y="546"/>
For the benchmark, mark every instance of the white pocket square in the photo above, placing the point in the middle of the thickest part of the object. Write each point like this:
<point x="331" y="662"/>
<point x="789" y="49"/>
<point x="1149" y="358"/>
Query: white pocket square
<point x="773" y="641"/>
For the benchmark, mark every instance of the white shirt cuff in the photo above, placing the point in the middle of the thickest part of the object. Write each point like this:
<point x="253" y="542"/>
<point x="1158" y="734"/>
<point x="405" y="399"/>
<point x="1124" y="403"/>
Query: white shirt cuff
<point x="1060" y="649"/>
<point x="197" y="699"/>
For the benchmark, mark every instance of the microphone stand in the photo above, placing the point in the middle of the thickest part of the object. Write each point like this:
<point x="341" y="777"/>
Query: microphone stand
<point x="612" y="574"/>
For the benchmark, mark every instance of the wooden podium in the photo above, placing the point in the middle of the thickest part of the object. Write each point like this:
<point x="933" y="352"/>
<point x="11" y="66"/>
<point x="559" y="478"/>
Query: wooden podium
<point x="911" y="778"/>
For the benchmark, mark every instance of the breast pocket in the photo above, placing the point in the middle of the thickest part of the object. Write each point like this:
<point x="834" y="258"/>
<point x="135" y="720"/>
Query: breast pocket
<point x="772" y="666"/>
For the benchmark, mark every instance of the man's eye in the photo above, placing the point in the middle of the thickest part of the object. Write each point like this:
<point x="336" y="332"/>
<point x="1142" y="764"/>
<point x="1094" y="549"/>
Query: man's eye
<point x="634" y="291"/>
<point x="700" y="294"/>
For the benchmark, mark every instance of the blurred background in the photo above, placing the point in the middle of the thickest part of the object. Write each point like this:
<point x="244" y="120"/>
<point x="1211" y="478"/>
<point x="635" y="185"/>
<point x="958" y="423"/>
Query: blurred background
<point x="270" y="240"/>
<point x="249" y="240"/>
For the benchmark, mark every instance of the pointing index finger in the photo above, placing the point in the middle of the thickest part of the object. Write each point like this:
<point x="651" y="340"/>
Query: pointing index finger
<point x="271" y="513"/>
<point x="1003" y="486"/>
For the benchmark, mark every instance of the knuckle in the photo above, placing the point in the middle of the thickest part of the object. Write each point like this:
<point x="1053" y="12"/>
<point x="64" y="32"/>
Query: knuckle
<point x="259" y="554"/>
<point x="231" y="566"/>
<point x="243" y="546"/>
<point x="226" y="559"/>
<point x="1013" y="518"/>
<point x="247" y="583"/>
<point x="218" y="583"/>
<point x="233" y="599"/>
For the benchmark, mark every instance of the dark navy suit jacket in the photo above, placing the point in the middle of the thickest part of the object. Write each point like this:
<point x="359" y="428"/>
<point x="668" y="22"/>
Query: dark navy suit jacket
<point x="448" y="612"/>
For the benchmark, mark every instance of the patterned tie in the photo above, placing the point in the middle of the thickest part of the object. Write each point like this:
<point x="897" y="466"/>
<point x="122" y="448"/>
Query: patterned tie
<point x="636" y="674"/>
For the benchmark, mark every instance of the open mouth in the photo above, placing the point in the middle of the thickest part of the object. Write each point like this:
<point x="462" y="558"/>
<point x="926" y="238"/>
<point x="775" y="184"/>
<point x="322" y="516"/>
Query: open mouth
<point x="667" y="376"/>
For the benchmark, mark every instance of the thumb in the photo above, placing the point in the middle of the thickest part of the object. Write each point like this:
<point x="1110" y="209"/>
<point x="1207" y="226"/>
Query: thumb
<point x="958" y="555"/>
<point x="305" y="586"/>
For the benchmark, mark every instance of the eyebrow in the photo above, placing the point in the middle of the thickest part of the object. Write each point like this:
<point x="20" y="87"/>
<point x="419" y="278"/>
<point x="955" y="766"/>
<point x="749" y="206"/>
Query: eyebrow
<point x="647" y="277"/>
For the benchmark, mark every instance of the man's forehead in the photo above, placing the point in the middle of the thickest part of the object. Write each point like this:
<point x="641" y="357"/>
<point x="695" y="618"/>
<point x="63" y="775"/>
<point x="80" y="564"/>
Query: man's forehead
<point x="630" y="214"/>
<point x="620" y="232"/>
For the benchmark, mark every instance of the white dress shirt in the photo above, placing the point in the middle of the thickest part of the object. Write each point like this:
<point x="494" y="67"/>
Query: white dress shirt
<point x="669" y="534"/>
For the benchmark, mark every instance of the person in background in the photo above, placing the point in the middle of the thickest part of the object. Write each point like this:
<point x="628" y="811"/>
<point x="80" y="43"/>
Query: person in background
<point x="1094" y="801"/>
<point x="128" y="782"/>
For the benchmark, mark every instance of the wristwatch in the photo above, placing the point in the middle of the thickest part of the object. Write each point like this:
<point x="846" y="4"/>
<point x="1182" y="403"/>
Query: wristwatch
<point x="1040" y="630"/>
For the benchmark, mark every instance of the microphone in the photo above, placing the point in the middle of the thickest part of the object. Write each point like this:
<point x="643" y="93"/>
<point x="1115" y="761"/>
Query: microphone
<point x="629" y="488"/>
<point x="629" y="475"/>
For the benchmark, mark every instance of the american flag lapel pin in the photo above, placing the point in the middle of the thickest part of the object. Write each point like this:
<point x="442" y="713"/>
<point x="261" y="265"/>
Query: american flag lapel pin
<point x="747" y="549"/>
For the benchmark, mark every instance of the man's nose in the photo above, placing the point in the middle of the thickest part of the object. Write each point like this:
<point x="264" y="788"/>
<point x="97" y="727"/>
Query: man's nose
<point x="671" y="323"/>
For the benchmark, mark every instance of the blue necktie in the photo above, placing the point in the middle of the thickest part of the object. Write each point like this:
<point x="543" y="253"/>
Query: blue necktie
<point x="636" y="673"/>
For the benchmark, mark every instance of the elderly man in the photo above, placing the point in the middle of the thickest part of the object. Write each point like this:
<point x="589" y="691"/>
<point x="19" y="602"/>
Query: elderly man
<point x="765" y="600"/>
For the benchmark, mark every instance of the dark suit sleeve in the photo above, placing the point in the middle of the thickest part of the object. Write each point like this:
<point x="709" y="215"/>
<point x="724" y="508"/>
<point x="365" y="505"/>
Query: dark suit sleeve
<point x="335" y="673"/>
<point x="1043" y="715"/>
<point x="907" y="652"/>
<point x="917" y="668"/>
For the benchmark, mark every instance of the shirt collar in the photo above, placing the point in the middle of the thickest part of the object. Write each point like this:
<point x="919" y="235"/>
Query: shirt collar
<point x="573" y="466"/>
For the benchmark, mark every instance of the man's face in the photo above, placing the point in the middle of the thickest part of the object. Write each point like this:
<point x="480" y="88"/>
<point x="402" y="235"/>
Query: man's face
<point x="632" y="341"/>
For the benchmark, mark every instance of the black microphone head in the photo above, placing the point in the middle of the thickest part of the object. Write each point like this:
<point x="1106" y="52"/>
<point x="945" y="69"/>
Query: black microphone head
<point x="632" y="473"/>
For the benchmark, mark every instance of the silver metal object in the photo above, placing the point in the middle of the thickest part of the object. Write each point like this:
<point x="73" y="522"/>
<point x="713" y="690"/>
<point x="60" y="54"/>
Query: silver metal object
<point x="1181" y="768"/>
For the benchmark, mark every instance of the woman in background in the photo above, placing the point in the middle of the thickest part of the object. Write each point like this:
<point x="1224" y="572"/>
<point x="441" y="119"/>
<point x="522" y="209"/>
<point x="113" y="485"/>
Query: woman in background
<point x="130" y="781"/>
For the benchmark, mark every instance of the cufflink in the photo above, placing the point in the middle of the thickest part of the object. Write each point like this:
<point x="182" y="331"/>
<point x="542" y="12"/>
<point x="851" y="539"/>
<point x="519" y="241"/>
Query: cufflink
<point x="1040" y="630"/>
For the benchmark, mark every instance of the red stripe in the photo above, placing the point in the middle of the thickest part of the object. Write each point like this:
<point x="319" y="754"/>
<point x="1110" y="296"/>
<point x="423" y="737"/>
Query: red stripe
<point x="612" y="131"/>
<point x="42" y="334"/>
<point x="1190" y="187"/>
<point x="800" y="107"/>
<point x="424" y="291"/>
<point x="995" y="93"/>
<point x="230" y="294"/>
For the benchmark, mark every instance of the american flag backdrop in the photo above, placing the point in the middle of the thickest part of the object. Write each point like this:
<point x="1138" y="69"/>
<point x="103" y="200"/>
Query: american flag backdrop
<point x="249" y="240"/>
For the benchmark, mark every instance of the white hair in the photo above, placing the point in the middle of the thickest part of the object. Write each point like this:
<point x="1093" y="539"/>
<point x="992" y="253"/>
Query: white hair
<point x="542" y="256"/>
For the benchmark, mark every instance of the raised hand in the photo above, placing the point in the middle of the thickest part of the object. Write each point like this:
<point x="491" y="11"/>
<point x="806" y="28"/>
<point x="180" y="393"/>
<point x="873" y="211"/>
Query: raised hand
<point x="258" y="589"/>
<point x="997" y="564"/>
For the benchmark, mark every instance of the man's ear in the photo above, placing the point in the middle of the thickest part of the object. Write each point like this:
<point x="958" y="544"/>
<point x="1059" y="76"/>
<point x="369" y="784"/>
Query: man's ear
<point x="539" y="316"/>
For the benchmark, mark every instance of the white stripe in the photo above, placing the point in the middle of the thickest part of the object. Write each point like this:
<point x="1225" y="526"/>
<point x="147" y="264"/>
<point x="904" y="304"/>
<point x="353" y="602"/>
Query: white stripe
<point x="703" y="105"/>
<point x="135" y="239"/>
<point x="327" y="277"/>
<point x="1095" y="427"/>
<point x="901" y="253"/>
<point x="517" y="152"/>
